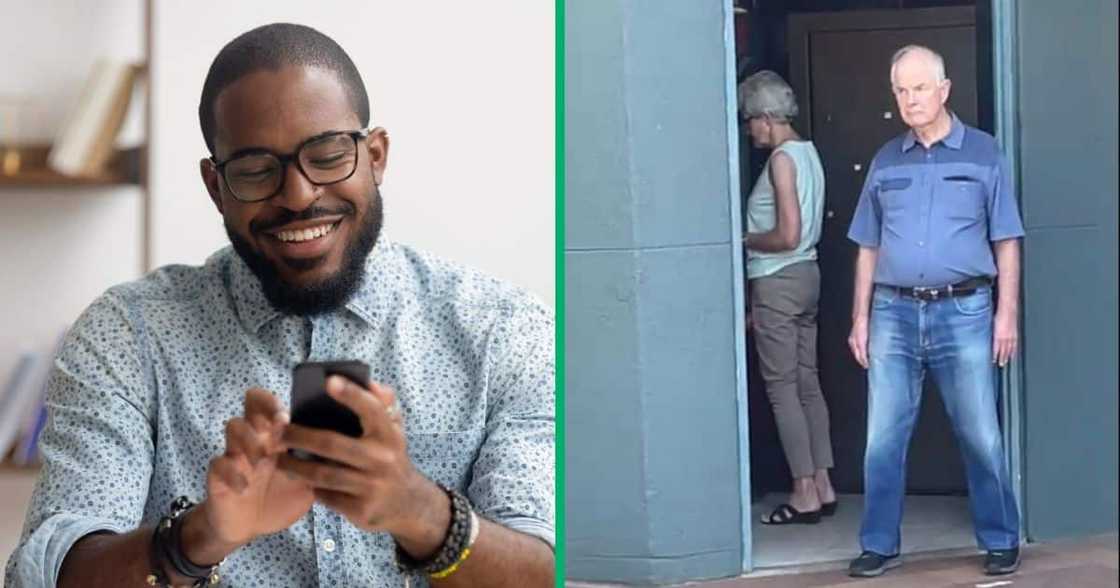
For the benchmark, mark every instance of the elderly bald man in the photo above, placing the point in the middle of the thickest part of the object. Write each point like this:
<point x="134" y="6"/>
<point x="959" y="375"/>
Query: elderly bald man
<point x="937" y="225"/>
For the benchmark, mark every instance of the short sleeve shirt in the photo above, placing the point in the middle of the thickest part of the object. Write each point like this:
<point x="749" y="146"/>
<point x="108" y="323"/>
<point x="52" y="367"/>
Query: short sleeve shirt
<point x="933" y="213"/>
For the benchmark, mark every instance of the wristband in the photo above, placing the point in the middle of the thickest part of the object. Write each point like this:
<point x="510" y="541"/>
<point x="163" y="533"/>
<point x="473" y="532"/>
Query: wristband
<point x="456" y="543"/>
<point x="167" y="550"/>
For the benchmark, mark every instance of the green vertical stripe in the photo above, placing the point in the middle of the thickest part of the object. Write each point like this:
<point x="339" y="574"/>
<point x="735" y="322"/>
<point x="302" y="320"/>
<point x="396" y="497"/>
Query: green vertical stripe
<point x="560" y="526"/>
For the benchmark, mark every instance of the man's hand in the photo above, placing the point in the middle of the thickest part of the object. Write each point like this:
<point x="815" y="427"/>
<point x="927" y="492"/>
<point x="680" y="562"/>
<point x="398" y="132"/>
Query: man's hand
<point x="246" y="496"/>
<point x="857" y="341"/>
<point x="371" y="480"/>
<point x="1005" y="338"/>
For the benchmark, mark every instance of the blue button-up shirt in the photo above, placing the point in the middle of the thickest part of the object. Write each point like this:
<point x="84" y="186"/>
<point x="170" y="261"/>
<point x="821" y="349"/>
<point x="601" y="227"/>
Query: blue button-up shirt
<point x="933" y="213"/>
<point x="150" y="373"/>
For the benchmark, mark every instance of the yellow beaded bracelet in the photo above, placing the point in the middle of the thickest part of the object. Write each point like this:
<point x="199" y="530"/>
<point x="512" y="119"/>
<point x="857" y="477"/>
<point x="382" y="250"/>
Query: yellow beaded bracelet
<point x="451" y="569"/>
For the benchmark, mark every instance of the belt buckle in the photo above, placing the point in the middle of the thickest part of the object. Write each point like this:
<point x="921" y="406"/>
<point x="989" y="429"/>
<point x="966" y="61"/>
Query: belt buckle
<point x="923" y="293"/>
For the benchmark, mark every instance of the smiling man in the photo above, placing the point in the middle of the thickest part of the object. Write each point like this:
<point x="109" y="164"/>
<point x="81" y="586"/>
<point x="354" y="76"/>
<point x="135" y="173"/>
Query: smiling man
<point x="173" y="389"/>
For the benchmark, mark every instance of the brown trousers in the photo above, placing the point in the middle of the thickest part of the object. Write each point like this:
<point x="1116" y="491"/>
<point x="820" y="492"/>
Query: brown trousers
<point x="784" y="313"/>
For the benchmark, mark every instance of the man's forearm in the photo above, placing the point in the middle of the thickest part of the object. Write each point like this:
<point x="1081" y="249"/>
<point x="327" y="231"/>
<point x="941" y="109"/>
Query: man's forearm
<point x="1007" y="264"/>
<point x="504" y="557"/>
<point x="108" y="559"/>
<point x="865" y="272"/>
<point x="112" y="559"/>
<point x="499" y="557"/>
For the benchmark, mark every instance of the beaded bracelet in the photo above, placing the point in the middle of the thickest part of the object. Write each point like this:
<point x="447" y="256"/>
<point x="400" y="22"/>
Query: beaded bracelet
<point x="456" y="544"/>
<point x="451" y="569"/>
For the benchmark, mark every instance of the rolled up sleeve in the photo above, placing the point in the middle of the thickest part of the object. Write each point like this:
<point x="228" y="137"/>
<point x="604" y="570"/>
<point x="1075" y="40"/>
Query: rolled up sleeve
<point x="97" y="445"/>
<point x="513" y="479"/>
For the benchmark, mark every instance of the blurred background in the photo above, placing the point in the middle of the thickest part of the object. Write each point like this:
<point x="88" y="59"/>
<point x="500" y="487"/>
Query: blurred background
<point x="466" y="91"/>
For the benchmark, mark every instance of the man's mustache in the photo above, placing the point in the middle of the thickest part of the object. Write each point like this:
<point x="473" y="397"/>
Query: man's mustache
<point x="306" y="214"/>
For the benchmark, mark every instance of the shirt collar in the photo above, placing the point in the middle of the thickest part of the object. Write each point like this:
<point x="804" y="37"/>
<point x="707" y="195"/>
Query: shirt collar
<point x="954" y="139"/>
<point x="368" y="303"/>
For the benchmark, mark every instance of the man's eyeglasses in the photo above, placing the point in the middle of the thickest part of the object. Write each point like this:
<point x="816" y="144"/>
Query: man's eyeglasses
<point x="259" y="174"/>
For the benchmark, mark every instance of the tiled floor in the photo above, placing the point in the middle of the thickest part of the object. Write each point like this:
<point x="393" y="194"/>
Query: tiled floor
<point x="928" y="523"/>
<point x="15" y="491"/>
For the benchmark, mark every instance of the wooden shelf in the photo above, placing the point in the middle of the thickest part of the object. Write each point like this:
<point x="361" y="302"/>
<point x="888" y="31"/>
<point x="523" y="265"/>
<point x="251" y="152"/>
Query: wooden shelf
<point x="8" y="466"/>
<point x="123" y="170"/>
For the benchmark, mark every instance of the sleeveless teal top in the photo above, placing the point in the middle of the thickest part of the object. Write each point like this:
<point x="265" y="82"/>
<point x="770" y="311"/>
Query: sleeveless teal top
<point x="762" y="212"/>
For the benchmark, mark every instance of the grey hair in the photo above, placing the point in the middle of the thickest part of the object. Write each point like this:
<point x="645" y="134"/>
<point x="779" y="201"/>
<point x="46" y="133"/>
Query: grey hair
<point x="938" y="61"/>
<point x="767" y="94"/>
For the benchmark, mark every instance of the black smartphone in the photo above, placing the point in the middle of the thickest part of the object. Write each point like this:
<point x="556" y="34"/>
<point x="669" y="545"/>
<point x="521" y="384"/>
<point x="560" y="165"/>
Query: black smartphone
<point x="312" y="407"/>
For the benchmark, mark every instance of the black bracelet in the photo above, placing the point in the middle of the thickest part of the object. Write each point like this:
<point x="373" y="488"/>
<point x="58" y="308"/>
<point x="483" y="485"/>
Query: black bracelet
<point x="167" y="549"/>
<point x="157" y="577"/>
<point x="459" y="534"/>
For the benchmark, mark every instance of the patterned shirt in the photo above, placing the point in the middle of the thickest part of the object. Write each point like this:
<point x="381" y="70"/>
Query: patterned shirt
<point x="152" y="370"/>
<point x="933" y="213"/>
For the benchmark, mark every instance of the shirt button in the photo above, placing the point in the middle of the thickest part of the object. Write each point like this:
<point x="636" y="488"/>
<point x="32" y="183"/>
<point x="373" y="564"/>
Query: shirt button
<point x="921" y="243"/>
<point x="328" y="545"/>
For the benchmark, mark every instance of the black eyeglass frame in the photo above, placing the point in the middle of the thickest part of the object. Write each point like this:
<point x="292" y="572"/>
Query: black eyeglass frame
<point x="293" y="157"/>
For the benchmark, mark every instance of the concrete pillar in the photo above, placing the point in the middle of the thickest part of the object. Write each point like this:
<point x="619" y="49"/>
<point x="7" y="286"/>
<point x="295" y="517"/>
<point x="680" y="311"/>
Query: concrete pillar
<point x="653" y="462"/>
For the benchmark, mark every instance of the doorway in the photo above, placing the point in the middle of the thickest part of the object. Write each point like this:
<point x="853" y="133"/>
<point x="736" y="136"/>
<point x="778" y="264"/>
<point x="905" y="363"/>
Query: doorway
<point x="835" y="54"/>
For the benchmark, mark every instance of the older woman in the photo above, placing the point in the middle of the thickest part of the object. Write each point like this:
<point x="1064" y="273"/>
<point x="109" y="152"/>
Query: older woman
<point x="784" y="213"/>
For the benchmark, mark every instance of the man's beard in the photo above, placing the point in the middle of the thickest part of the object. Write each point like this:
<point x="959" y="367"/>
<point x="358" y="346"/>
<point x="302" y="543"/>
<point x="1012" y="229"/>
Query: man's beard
<point x="324" y="295"/>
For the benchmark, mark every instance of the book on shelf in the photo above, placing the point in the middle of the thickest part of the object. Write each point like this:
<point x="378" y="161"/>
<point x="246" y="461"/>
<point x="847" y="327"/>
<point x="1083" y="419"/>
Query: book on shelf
<point x="87" y="139"/>
<point x="27" y="451"/>
<point x="19" y="398"/>
<point x="23" y="406"/>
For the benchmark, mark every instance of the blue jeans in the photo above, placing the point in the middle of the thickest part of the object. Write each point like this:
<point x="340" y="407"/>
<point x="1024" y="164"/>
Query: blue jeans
<point x="952" y="339"/>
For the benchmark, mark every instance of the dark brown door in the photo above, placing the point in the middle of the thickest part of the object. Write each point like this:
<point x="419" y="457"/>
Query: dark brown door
<point x="840" y="70"/>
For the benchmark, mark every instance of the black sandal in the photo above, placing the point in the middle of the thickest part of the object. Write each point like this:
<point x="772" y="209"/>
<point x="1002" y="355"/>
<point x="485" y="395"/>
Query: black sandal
<point x="787" y="515"/>
<point x="828" y="508"/>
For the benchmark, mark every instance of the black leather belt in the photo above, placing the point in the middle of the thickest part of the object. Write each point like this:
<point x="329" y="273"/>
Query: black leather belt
<point x="969" y="286"/>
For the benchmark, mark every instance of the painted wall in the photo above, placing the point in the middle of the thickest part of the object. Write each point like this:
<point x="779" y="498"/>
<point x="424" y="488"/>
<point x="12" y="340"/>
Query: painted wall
<point x="1068" y="169"/>
<point x="652" y="461"/>
<point x="60" y="248"/>
<point x="465" y="89"/>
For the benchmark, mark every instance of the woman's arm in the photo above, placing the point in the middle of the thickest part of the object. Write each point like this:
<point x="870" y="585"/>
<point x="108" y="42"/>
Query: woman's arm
<point x="786" y="233"/>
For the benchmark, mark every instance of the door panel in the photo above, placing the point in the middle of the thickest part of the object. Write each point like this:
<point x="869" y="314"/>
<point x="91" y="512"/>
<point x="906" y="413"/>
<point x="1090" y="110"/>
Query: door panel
<point x="850" y="113"/>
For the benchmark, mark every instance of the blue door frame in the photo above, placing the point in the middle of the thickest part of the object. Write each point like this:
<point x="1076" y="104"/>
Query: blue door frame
<point x="732" y="114"/>
<point x="1004" y="57"/>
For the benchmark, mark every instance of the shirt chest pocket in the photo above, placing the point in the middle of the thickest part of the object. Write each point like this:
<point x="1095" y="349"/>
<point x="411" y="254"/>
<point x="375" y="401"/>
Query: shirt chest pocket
<point x="894" y="192"/>
<point x="963" y="198"/>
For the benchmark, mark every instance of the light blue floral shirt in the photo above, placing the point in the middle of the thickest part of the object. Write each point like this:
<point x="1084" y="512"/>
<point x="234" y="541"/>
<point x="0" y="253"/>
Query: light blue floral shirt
<point x="153" y="369"/>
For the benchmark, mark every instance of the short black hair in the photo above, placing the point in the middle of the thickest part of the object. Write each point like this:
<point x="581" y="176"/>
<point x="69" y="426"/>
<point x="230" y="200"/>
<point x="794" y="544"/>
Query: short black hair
<point x="271" y="47"/>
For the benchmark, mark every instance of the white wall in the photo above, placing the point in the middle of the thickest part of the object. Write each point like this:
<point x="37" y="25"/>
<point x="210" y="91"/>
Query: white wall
<point x="60" y="248"/>
<point x="465" y="89"/>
